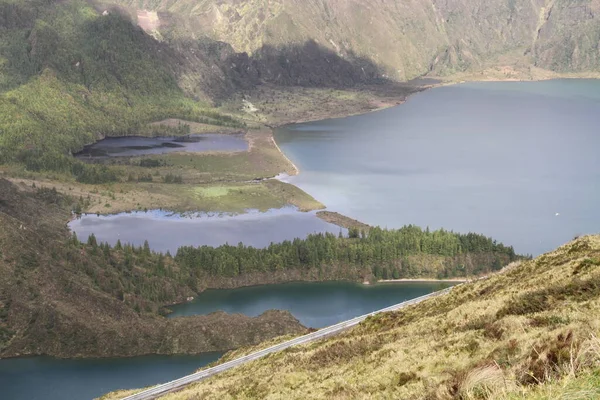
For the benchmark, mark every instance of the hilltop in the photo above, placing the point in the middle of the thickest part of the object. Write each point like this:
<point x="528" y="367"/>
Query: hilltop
<point x="529" y="332"/>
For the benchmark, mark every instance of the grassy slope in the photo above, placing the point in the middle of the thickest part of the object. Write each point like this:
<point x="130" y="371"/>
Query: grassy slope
<point x="528" y="333"/>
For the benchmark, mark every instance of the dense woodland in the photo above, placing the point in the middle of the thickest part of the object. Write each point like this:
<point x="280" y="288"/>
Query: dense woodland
<point x="386" y="253"/>
<point x="143" y="277"/>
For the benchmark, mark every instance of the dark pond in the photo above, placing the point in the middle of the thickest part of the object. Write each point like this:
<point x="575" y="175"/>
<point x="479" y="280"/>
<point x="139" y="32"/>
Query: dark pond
<point x="138" y="146"/>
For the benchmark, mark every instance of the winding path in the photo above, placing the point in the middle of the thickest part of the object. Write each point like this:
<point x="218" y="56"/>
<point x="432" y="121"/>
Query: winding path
<point x="178" y="384"/>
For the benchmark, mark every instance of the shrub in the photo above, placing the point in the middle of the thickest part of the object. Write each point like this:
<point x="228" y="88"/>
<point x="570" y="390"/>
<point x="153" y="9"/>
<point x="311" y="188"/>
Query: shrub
<point x="170" y="178"/>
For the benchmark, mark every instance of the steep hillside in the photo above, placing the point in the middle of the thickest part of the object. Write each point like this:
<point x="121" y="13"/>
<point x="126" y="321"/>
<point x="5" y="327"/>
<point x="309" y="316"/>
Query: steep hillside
<point x="70" y="75"/>
<point x="529" y="332"/>
<point x="403" y="39"/>
<point x="69" y="299"/>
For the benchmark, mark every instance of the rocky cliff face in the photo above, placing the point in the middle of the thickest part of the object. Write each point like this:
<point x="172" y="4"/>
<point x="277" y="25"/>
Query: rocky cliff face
<point x="568" y="36"/>
<point x="402" y="39"/>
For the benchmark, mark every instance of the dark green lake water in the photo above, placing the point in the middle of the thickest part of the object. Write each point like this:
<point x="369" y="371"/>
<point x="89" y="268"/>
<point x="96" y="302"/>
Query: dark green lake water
<point x="46" y="378"/>
<point x="514" y="160"/>
<point x="315" y="305"/>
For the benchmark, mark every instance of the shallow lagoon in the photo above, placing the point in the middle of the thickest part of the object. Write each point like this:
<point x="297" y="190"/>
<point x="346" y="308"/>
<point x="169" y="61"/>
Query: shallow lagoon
<point x="517" y="161"/>
<point x="166" y="231"/>
<point x="130" y="146"/>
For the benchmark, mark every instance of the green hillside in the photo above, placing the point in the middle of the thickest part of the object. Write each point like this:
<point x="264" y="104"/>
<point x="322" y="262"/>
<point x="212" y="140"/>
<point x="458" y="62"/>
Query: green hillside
<point x="70" y="75"/>
<point x="74" y="71"/>
<point x="529" y="332"/>
<point x="66" y="298"/>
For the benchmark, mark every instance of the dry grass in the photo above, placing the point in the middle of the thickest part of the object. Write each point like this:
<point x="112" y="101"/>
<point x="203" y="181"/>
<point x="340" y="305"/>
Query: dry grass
<point x="456" y="347"/>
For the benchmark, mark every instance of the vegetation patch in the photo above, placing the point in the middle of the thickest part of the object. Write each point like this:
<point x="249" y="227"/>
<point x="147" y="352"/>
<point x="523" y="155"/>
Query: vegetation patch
<point x="379" y="250"/>
<point x="542" y="300"/>
<point x="343" y="351"/>
<point x="547" y="360"/>
<point x="215" y="191"/>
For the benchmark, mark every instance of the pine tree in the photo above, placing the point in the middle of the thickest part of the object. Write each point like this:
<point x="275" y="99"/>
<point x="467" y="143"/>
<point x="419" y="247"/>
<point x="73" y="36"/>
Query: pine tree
<point x="92" y="241"/>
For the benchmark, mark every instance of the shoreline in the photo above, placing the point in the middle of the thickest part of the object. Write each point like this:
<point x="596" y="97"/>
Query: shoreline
<point x="382" y="105"/>
<point x="424" y="280"/>
<point x="296" y="169"/>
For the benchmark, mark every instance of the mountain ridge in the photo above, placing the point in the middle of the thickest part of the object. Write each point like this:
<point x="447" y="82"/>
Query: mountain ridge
<point x="405" y="40"/>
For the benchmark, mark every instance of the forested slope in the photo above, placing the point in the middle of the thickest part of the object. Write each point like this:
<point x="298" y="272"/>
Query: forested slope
<point x="69" y="299"/>
<point x="408" y="252"/>
<point x="64" y="297"/>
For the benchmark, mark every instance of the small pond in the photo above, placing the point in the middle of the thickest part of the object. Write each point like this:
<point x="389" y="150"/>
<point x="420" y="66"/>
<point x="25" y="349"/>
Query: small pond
<point x="130" y="146"/>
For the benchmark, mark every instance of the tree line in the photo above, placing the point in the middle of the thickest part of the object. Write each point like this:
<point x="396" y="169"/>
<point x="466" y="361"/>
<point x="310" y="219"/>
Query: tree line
<point x="144" y="278"/>
<point x="386" y="253"/>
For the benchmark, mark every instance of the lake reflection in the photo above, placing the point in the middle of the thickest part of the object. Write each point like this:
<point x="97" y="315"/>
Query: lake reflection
<point x="514" y="160"/>
<point x="167" y="231"/>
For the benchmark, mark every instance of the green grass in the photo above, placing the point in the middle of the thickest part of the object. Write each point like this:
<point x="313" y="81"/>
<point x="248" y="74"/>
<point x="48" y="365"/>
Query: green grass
<point x="215" y="191"/>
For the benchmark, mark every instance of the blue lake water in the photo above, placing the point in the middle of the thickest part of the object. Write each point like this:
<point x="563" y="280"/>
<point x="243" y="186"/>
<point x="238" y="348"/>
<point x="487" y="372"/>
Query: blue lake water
<point x="315" y="305"/>
<point x="514" y="160"/>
